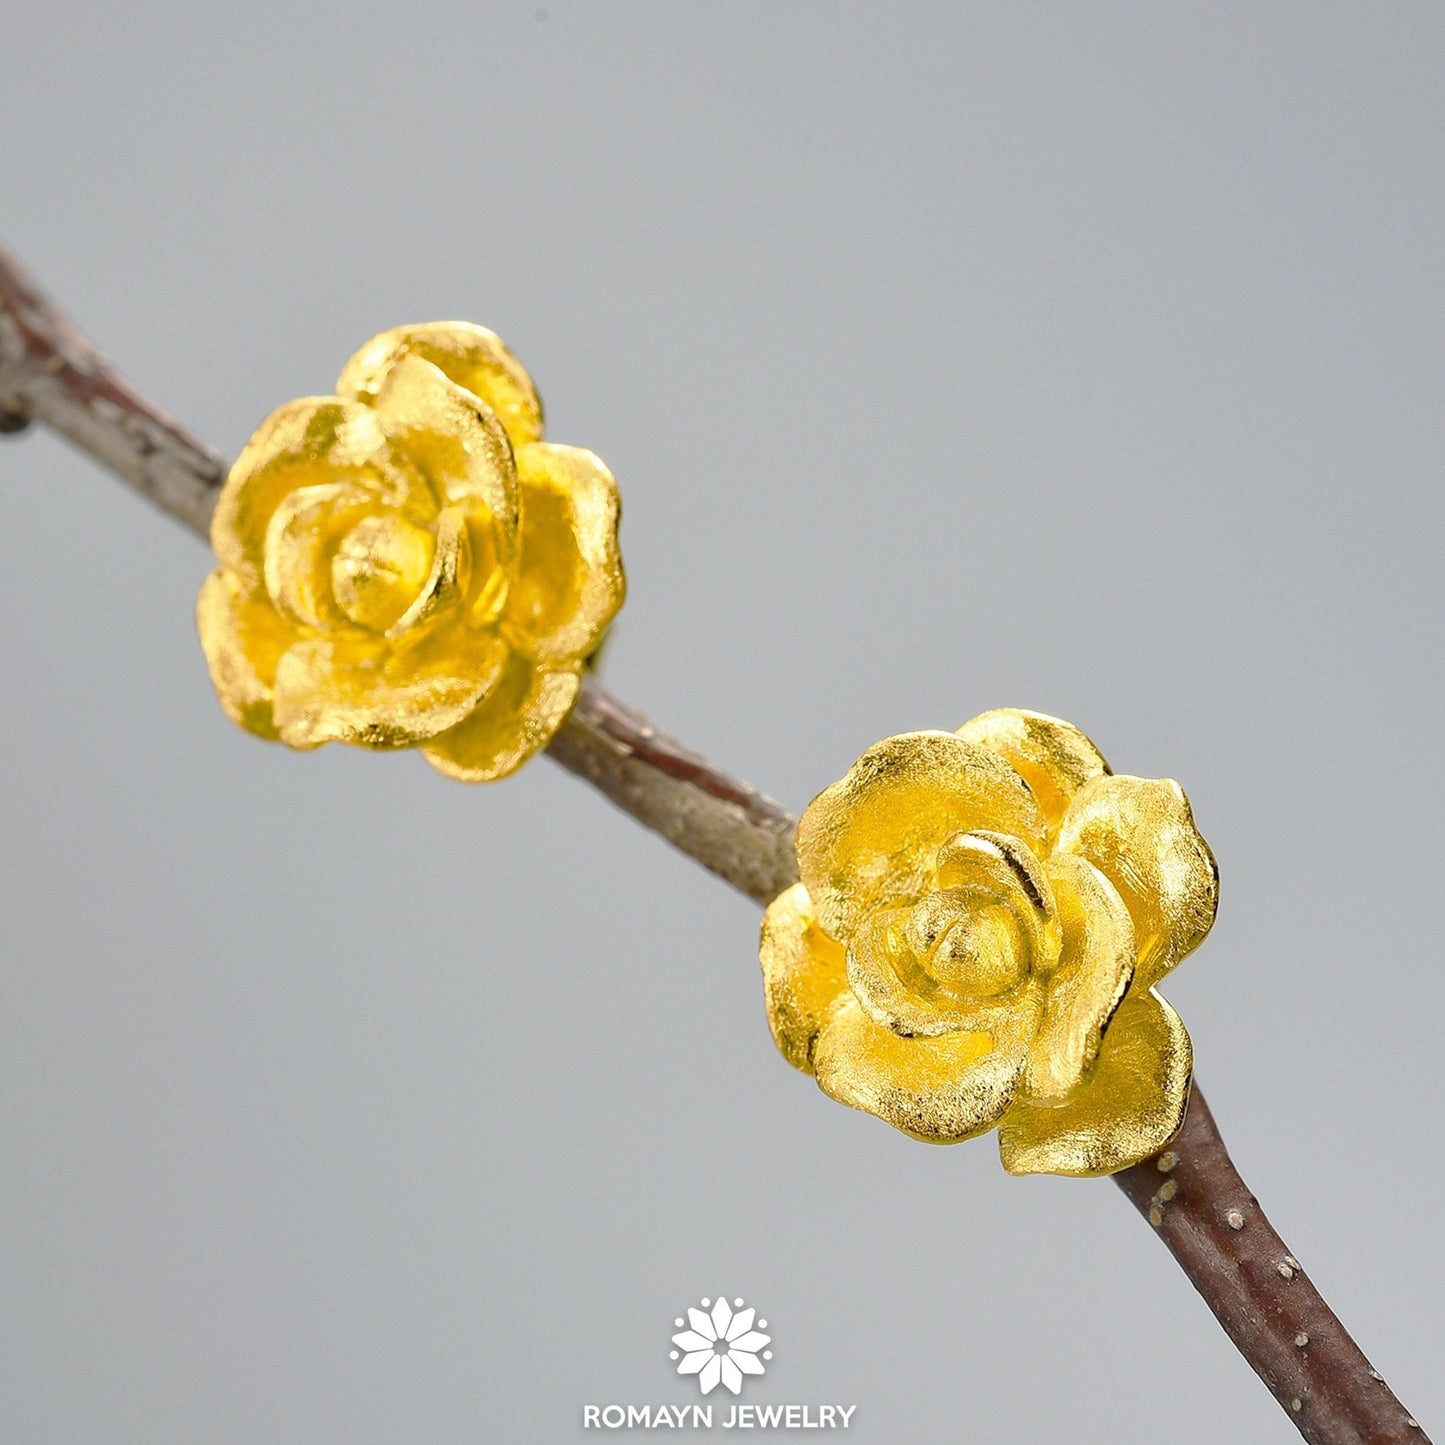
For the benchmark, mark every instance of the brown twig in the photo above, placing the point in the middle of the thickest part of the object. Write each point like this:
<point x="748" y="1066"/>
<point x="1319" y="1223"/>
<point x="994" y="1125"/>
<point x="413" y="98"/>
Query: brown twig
<point x="1213" y="1226"/>
<point x="733" y="830"/>
<point x="50" y="371"/>
<point x="1190" y="1193"/>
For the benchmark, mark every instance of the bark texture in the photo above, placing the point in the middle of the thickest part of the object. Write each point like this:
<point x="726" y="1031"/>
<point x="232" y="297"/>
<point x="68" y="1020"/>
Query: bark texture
<point x="723" y="823"/>
<point x="51" y="372"/>
<point x="1213" y="1226"/>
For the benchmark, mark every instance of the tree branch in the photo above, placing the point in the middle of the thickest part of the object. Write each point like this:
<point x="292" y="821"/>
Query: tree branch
<point x="1191" y="1193"/>
<point x="51" y="372"/>
<point x="720" y="821"/>
<point x="1213" y="1226"/>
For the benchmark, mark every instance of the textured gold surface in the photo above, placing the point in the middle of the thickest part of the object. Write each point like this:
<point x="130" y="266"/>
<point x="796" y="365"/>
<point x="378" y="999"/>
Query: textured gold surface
<point x="408" y="564"/>
<point x="973" y="945"/>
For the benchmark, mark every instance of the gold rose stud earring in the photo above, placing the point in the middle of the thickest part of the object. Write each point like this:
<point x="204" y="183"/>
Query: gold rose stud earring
<point x="975" y="941"/>
<point x="408" y="564"/>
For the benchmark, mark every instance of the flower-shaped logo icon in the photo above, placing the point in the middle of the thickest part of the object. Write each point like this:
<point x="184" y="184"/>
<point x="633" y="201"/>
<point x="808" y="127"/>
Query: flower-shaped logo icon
<point x="721" y="1346"/>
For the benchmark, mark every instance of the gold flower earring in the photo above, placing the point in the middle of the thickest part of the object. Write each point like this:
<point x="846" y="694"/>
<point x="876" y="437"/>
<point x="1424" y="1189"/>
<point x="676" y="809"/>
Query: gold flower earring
<point x="975" y="941"/>
<point x="408" y="564"/>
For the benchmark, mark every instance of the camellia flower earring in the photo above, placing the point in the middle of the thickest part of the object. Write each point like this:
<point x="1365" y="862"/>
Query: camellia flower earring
<point x="981" y="920"/>
<point x="408" y="564"/>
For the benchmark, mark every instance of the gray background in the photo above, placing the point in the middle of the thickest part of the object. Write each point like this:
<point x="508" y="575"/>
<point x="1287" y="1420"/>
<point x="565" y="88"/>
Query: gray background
<point x="1084" y="358"/>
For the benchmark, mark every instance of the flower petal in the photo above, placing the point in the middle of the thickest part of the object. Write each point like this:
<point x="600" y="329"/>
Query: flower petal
<point x="996" y="870"/>
<point x="749" y="1343"/>
<point x="702" y="1323"/>
<point x="352" y="687"/>
<point x="710" y="1374"/>
<point x="1128" y="1108"/>
<point x="569" y="581"/>
<point x="732" y="1377"/>
<point x="722" y="1317"/>
<point x="691" y="1364"/>
<point x="803" y="975"/>
<point x="243" y="638"/>
<point x="747" y="1362"/>
<point x="1052" y="756"/>
<point x="691" y="1340"/>
<point x="741" y="1325"/>
<point x="453" y="439"/>
<point x="310" y="442"/>
<point x="1093" y="974"/>
<point x="516" y="719"/>
<point x="1140" y="834"/>
<point x="888" y="981"/>
<point x="874" y="833"/>
<point x="938" y="1090"/>
<point x="447" y="580"/>
<point x="301" y="539"/>
<point x="471" y="356"/>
